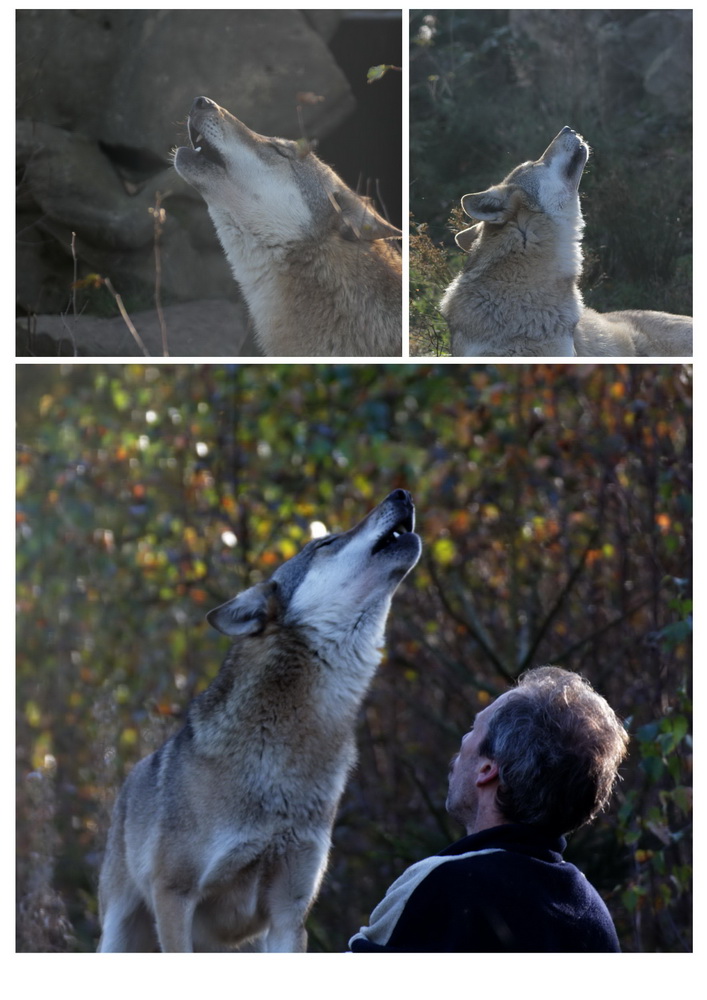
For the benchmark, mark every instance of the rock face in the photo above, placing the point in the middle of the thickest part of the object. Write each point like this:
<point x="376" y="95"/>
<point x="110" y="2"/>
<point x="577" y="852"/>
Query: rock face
<point x="660" y="47"/>
<point x="141" y="70"/>
<point x="610" y="56"/>
<point x="103" y="97"/>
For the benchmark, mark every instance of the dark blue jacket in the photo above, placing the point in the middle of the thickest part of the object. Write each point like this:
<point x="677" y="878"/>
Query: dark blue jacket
<point x="504" y="889"/>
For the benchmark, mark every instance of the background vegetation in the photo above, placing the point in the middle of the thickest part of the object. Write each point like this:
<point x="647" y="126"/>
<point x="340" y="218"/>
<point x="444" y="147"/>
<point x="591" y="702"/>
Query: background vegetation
<point x="554" y="506"/>
<point x="491" y="88"/>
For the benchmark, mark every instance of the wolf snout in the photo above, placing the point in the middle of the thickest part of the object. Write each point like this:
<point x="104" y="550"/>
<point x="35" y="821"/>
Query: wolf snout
<point x="203" y="104"/>
<point x="403" y="496"/>
<point x="567" y="131"/>
<point x="396" y="517"/>
<point x="405" y="505"/>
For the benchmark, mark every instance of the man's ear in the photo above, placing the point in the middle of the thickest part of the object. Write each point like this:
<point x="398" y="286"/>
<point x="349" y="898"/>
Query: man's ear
<point x="486" y="772"/>
<point x="246" y="614"/>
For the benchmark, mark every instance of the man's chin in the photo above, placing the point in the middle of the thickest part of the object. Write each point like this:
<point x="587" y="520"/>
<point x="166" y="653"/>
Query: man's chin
<point x="451" y="811"/>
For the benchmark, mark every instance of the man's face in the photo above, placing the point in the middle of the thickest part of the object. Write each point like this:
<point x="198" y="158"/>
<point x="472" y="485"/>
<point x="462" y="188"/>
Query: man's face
<point x="466" y="767"/>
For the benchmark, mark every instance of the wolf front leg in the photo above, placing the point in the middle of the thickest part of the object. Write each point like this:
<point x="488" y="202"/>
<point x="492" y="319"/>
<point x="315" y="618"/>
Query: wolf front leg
<point x="126" y="922"/>
<point x="291" y="894"/>
<point x="174" y="915"/>
<point x="128" y="926"/>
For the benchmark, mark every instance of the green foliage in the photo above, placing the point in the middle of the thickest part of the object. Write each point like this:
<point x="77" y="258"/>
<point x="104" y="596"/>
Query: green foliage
<point x="376" y="73"/>
<point x="655" y="818"/>
<point x="554" y="506"/>
<point x="430" y="273"/>
<point x="655" y="826"/>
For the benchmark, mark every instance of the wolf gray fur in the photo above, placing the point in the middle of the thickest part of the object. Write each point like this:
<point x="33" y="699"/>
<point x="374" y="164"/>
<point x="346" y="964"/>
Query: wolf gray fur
<point x="633" y="333"/>
<point x="313" y="259"/>
<point x="518" y="293"/>
<point x="219" y="839"/>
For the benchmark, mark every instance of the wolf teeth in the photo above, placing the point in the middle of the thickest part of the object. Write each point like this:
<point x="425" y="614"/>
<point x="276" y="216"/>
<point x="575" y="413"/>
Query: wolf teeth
<point x="389" y="538"/>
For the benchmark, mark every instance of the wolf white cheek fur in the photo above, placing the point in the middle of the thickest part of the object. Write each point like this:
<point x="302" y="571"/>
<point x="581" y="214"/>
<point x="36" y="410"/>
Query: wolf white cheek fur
<point x="220" y="838"/>
<point x="518" y="293"/>
<point x="316" y="263"/>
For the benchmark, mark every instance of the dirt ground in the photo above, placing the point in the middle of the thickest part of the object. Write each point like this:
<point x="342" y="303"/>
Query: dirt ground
<point x="209" y="328"/>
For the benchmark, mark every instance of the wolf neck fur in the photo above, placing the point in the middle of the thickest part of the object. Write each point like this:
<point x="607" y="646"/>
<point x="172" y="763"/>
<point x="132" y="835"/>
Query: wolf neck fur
<point x="283" y="666"/>
<point x="563" y="259"/>
<point x="322" y="296"/>
<point x="519" y="280"/>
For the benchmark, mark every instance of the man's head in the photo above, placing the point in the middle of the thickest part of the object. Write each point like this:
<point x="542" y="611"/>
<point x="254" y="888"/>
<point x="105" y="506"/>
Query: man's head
<point x="546" y="752"/>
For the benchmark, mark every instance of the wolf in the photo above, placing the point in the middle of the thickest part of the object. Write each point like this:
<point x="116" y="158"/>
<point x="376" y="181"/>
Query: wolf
<point x="314" y="260"/>
<point x="219" y="840"/>
<point x="518" y="293"/>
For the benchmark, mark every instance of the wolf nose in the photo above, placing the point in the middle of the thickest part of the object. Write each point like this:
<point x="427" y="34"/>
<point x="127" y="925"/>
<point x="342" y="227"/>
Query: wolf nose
<point x="400" y="495"/>
<point x="567" y="129"/>
<point x="201" y="103"/>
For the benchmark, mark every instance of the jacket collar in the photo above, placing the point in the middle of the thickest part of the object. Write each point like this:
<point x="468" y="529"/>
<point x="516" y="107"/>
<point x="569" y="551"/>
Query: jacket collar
<point x="519" y="837"/>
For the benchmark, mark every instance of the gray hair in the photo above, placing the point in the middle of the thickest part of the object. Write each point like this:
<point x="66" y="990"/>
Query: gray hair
<point x="558" y="745"/>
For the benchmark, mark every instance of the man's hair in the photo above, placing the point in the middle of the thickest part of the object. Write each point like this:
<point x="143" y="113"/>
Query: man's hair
<point x="558" y="745"/>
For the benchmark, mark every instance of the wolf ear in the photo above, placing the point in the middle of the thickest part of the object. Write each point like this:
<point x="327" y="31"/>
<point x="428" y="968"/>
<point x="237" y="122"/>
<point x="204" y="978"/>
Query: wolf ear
<point x="487" y="206"/>
<point x="467" y="237"/>
<point x="246" y="614"/>
<point x="358" y="220"/>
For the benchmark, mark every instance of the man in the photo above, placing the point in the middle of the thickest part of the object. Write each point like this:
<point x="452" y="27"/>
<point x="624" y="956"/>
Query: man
<point x="539" y="762"/>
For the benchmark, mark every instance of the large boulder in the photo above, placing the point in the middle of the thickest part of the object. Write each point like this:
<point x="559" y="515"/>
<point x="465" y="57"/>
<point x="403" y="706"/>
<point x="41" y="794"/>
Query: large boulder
<point x="141" y="70"/>
<point x="93" y="143"/>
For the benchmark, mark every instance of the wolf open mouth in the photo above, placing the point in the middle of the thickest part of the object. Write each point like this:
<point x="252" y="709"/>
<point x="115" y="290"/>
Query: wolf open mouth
<point x="403" y="527"/>
<point x="575" y="167"/>
<point x="204" y="147"/>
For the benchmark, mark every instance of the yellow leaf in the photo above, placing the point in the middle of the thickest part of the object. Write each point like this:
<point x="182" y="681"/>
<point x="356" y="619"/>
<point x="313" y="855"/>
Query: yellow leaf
<point x="444" y="551"/>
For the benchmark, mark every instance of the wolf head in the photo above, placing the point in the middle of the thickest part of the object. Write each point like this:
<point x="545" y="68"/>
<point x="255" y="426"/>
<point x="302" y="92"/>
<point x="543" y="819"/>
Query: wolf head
<point x="339" y="586"/>
<point x="274" y="190"/>
<point x="548" y="186"/>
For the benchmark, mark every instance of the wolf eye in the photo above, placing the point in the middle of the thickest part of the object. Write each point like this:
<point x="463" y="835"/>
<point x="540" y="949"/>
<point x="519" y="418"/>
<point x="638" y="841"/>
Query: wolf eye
<point x="327" y="541"/>
<point x="280" y="150"/>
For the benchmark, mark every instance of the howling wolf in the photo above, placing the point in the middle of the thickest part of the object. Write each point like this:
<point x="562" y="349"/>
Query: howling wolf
<point x="313" y="259"/>
<point x="518" y="293"/>
<point x="220" y="838"/>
